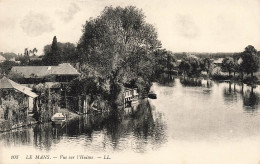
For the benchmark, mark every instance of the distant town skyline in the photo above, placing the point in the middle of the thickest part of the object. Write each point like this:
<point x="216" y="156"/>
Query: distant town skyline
<point x="182" y="26"/>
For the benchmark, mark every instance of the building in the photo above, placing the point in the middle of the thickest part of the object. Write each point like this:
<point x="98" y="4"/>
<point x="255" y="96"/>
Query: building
<point x="53" y="77"/>
<point x="218" y="62"/>
<point x="44" y="74"/>
<point x="29" y="96"/>
<point x="130" y="95"/>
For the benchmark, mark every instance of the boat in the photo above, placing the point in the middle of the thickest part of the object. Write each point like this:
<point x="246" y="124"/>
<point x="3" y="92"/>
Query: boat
<point x="152" y="95"/>
<point x="58" y="119"/>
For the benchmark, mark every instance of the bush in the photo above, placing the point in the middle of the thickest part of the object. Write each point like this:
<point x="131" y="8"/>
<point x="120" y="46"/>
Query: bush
<point x="250" y="80"/>
<point x="221" y="77"/>
<point x="191" y="82"/>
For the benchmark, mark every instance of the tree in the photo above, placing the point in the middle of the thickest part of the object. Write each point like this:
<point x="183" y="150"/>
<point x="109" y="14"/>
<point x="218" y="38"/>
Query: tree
<point x="34" y="51"/>
<point x="26" y="56"/>
<point x="250" y="63"/>
<point x="6" y="66"/>
<point x="120" y="45"/>
<point x="164" y="63"/>
<point x="52" y="57"/>
<point x="67" y="51"/>
<point x="190" y="65"/>
<point x="8" y="55"/>
<point x="208" y="65"/>
<point x="227" y="65"/>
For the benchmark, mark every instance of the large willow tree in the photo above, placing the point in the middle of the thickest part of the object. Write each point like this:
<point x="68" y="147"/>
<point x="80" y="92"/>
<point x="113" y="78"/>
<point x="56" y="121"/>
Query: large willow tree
<point x="120" y="46"/>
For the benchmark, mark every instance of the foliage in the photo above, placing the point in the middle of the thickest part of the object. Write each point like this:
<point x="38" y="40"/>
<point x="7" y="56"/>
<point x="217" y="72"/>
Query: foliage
<point x="8" y="55"/>
<point x="191" y="82"/>
<point x="13" y="111"/>
<point x="165" y="62"/>
<point x="53" y="56"/>
<point x="90" y="83"/>
<point x="208" y="65"/>
<point x="55" y="100"/>
<point x="228" y="65"/>
<point x="44" y="113"/>
<point x="191" y="66"/>
<point x="250" y="63"/>
<point x="6" y="66"/>
<point x="67" y="52"/>
<point x="220" y="77"/>
<point x="120" y="46"/>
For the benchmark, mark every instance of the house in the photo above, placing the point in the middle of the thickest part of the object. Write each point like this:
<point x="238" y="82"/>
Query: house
<point x="2" y="59"/>
<point x="13" y="60"/>
<point x="29" y="96"/>
<point x="42" y="74"/>
<point x="130" y="94"/>
<point x="218" y="62"/>
<point x="53" y="77"/>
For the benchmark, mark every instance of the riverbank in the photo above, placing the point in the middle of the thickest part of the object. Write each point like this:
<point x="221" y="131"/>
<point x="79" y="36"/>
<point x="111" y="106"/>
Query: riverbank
<point x="6" y="125"/>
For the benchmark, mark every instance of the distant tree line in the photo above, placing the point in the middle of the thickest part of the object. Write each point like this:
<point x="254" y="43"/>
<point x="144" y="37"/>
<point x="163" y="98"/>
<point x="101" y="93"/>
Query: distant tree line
<point x="247" y="62"/>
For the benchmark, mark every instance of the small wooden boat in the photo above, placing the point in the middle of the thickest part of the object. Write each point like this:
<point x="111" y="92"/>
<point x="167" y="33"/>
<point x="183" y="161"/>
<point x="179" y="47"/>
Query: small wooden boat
<point x="152" y="95"/>
<point x="58" y="119"/>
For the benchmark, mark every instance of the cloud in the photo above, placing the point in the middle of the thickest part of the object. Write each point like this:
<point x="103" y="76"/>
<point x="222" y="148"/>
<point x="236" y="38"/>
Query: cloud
<point x="68" y="15"/>
<point x="35" y="24"/>
<point x="186" y="27"/>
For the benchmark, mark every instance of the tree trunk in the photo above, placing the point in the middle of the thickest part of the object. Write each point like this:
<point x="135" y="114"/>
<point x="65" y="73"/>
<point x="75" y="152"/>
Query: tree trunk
<point x="242" y="90"/>
<point x="66" y="99"/>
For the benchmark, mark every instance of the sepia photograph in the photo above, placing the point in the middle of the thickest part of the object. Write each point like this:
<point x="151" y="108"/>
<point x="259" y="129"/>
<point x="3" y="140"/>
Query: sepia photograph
<point x="128" y="81"/>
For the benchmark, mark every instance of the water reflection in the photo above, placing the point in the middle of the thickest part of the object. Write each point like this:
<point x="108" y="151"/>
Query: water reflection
<point x="233" y="91"/>
<point x="167" y="80"/>
<point x="16" y="137"/>
<point x="207" y="83"/>
<point x="230" y="93"/>
<point x="204" y="113"/>
<point x="250" y="100"/>
<point x="141" y="128"/>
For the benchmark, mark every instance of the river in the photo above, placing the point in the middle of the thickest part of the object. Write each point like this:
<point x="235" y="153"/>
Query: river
<point x="213" y="123"/>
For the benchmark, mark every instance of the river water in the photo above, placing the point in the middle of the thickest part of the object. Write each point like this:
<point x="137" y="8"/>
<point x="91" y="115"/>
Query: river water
<point x="213" y="123"/>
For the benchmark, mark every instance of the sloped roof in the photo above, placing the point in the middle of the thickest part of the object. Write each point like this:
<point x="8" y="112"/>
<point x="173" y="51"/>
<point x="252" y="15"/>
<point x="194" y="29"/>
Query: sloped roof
<point x="6" y="83"/>
<point x="218" y="61"/>
<point x="65" y="69"/>
<point x="41" y="71"/>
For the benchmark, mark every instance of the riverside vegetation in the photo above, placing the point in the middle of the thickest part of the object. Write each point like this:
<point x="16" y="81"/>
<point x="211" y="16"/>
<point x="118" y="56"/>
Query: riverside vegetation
<point x="116" y="49"/>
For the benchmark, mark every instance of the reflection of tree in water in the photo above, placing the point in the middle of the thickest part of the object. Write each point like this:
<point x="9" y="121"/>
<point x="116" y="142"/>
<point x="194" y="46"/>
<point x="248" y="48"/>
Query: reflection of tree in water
<point x="141" y="124"/>
<point x="16" y="137"/>
<point x="44" y="134"/>
<point x="250" y="99"/>
<point x="230" y="93"/>
<point x="143" y="120"/>
<point x="139" y="128"/>
<point x="207" y="84"/>
<point x="149" y="126"/>
<point x="166" y="80"/>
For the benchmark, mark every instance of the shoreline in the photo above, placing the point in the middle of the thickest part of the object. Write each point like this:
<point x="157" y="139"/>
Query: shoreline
<point x="6" y="126"/>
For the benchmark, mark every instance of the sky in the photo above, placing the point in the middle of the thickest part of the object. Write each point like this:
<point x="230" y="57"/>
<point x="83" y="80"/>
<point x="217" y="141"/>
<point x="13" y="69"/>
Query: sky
<point x="182" y="25"/>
